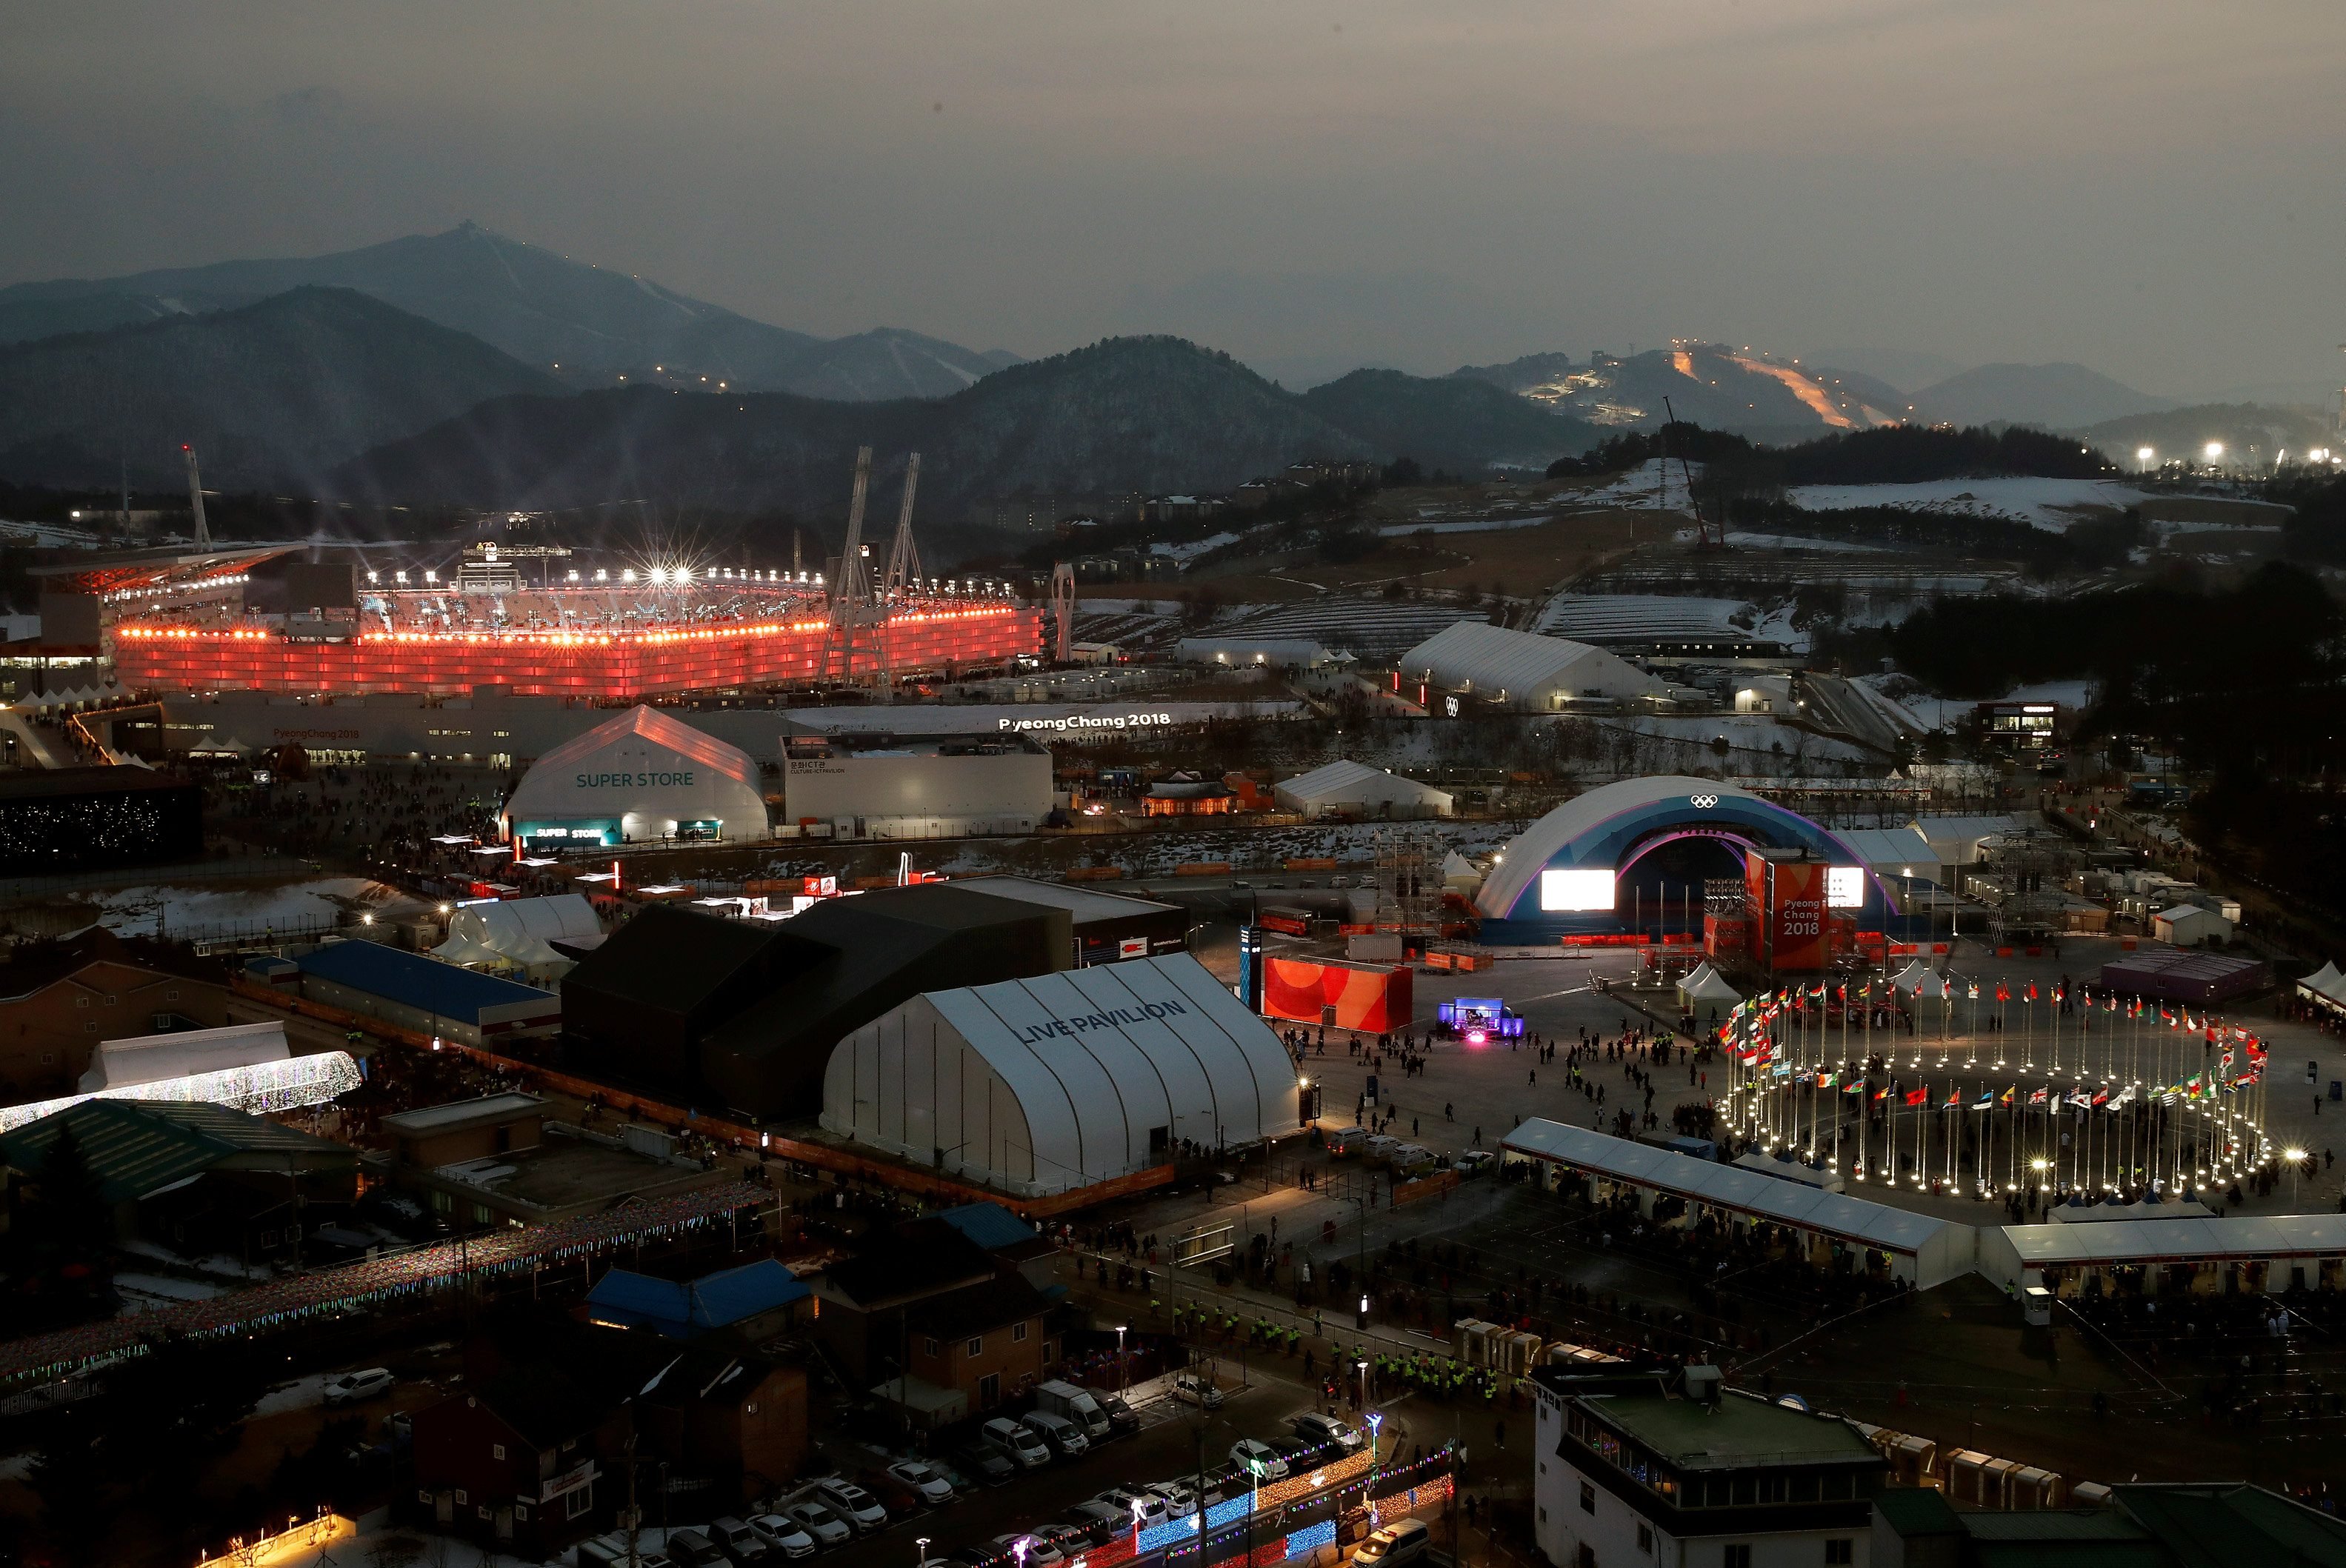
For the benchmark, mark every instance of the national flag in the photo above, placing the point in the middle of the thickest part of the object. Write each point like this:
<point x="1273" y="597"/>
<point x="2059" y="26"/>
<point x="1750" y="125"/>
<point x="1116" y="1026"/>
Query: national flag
<point x="1918" y="1097"/>
<point x="2080" y="1099"/>
<point x="1855" y="1086"/>
<point x="2032" y="991"/>
<point x="1946" y="988"/>
<point x="2101" y="1097"/>
<point x="1827" y="1080"/>
<point x="1883" y="1092"/>
<point x="2006" y="1096"/>
<point x="1954" y="1097"/>
<point x="1974" y="991"/>
<point x="2002" y="992"/>
<point x="2060" y="991"/>
<point x="2037" y="1098"/>
<point x="1986" y="1102"/>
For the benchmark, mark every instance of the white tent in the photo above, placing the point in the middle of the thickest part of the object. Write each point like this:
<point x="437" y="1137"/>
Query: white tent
<point x="1356" y="790"/>
<point x="1036" y="1086"/>
<point x="1704" y="985"/>
<point x="643" y="775"/>
<point x="2325" y="984"/>
<point x="1917" y="974"/>
<point x="1524" y="669"/>
<point x="122" y="1065"/>
<point x="518" y="931"/>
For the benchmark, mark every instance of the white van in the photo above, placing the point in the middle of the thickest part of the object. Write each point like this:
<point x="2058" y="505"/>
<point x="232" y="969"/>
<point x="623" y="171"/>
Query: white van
<point x="1402" y="1541"/>
<point x="1063" y="1399"/>
<point x="1028" y="1450"/>
<point x="1066" y="1437"/>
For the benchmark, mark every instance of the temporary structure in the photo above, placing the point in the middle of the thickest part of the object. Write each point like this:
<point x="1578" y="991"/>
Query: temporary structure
<point x="643" y="775"/>
<point x="1917" y="975"/>
<point x="517" y="932"/>
<point x="1348" y="788"/>
<point x="1062" y="1081"/>
<point x="122" y="1065"/>
<point x="1704" y="986"/>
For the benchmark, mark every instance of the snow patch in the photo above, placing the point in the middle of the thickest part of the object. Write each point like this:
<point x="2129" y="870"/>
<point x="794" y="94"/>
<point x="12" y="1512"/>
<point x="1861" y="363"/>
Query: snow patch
<point x="2049" y="503"/>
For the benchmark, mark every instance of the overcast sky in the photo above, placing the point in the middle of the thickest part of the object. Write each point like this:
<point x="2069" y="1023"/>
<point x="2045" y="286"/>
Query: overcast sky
<point x="2151" y="189"/>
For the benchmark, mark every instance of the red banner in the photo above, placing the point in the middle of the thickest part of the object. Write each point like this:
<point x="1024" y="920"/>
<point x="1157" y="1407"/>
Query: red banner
<point x="1364" y="997"/>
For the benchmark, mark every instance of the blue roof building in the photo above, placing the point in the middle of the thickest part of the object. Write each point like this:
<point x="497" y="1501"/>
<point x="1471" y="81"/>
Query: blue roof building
<point x="755" y="1301"/>
<point x="414" y="993"/>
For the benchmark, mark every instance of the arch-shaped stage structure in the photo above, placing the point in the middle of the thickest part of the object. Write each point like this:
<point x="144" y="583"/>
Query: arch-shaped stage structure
<point x="1560" y="875"/>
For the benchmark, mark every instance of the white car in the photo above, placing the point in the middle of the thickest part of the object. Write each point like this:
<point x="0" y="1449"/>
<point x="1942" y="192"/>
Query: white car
<point x="1180" y="1497"/>
<point x="785" y="1537"/>
<point x="926" y="1483"/>
<point x="353" y="1387"/>
<point x="827" y="1528"/>
<point x="1192" y="1389"/>
<point x="1040" y="1554"/>
<point x="1315" y="1428"/>
<point x="863" y="1509"/>
<point x="1260" y="1459"/>
<point x="1145" y="1509"/>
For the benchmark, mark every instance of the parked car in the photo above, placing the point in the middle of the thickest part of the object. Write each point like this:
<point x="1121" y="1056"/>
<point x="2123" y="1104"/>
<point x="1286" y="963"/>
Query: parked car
<point x="1121" y="1422"/>
<point x="1258" y="1460"/>
<point x="1313" y="1427"/>
<point x="986" y="1462"/>
<point x="1402" y="1541"/>
<point x="784" y="1535"/>
<point x="1180" y="1497"/>
<point x="1021" y="1443"/>
<point x="1473" y="1163"/>
<point x="691" y="1549"/>
<point x="1070" y="1540"/>
<point x="1098" y="1523"/>
<point x="1066" y="1437"/>
<point x="1040" y="1553"/>
<point x="863" y="1510"/>
<point x="743" y="1547"/>
<point x="1142" y="1510"/>
<point x="1301" y="1454"/>
<point x="827" y="1528"/>
<point x="1192" y="1389"/>
<point x="893" y="1494"/>
<point x="611" y="1552"/>
<point x="353" y="1387"/>
<point x="926" y="1483"/>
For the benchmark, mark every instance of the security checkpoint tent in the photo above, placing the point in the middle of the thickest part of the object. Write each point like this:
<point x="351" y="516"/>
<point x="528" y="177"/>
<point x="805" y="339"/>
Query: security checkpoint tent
<point x="643" y="775"/>
<point x="518" y="932"/>
<point x="2325" y="985"/>
<point x="2189" y="925"/>
<point x="1704" y="986"/>
<point x="1356" y="790"/>
<point x="2310" y="1248"/>
<point x="1062" y="1081"/>
<point x="1918" y="1249"/>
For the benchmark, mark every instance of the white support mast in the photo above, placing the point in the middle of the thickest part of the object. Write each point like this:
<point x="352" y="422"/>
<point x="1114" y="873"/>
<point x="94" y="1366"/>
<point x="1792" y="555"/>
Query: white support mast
<point x="850" y="585"/>
<point x="196" y="498"/>
<point x="902" y="578"/>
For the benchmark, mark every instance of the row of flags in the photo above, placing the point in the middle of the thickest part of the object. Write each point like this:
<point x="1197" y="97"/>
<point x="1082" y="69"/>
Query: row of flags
<point x="1766" y="1008"/>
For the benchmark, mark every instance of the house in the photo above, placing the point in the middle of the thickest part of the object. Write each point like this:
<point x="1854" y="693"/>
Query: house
<point x="196" y="1177"/>
<point x="531" y="1459"/>
<point x="68" y="1000"/>
<point x="732" y="1419"/>
<point x="755" y="1301"/>
<point x="969" y="1350"/>
<point x="864" y="1298"/>
<point x="1675" y="1468"/>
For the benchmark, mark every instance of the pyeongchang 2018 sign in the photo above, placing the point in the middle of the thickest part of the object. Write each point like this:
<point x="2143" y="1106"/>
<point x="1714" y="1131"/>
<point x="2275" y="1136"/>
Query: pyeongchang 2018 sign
<point x="1081" y="1023"/>
<point x="1063" y="723"/>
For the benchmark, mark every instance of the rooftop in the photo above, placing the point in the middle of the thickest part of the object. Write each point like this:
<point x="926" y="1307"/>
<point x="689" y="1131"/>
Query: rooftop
<point x="567" y="1175"/>
<point x="486" y="1111"/>
<point x="683" y="1308"/>
<point x="416" y="980"/>
<point x="1741" y="1429"/>
<point x="1083" y="903"/>
<point x="135" y="1148"/>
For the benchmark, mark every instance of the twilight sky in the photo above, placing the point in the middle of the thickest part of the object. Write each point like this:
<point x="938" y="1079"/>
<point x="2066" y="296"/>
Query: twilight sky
<point x="2149" y="188"/>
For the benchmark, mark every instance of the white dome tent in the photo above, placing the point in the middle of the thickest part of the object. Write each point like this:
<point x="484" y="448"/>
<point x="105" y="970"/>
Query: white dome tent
<point x="517" y="933"/>
<point x="1037" y="1086"/>
<point x="643" y="775"/>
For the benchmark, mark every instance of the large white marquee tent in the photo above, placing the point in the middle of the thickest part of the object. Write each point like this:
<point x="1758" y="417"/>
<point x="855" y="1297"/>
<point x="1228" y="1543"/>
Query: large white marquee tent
<point x="1349" y="789"/>
<point x="517" y="933"/>
<point x="1524" y="669"/>
<point x="643" y="775"/>
<point x="1037" y="1086"/>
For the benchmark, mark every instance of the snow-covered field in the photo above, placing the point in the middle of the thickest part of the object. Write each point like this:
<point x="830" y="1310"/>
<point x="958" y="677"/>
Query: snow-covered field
<point x="1616" y="616"/>
<point x="155" y="909"/>
<point x="1656" y="482"/>
<point x="1464" y="525"/>
<point x="2048" y="504"/>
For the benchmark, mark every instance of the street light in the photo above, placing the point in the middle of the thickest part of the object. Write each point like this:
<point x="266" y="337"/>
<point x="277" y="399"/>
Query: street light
<point x="1376" y="1419"/>
<point x="921" y="1550"/>
<point x="1123" y="1375"/>
<point x="2145" y="455"/>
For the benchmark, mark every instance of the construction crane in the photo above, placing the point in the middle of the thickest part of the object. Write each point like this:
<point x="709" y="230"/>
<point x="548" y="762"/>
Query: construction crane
<point x="850" y="585"/>
<point x="903" y="577"/>
<point x="1701" y="530"/>
<point x="196" y="499"/>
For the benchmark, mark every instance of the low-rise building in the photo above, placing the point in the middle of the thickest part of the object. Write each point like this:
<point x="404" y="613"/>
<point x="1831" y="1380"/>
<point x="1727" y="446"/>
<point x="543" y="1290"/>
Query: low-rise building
<point x="526" y="1459"/>
<point x="1673" y="1468"/>
<point x="410" y="995"/>
<point x="885" y="786"/>
<point x="755" y="1301"/>
<point x="498" y="1161"/>
<point x="73" y="999"/>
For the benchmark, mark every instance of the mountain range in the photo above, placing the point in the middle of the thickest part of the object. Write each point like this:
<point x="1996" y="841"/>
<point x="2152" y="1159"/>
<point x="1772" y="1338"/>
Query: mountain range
<point x="1146" y="414"/>
<point x="584" y="324"/>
